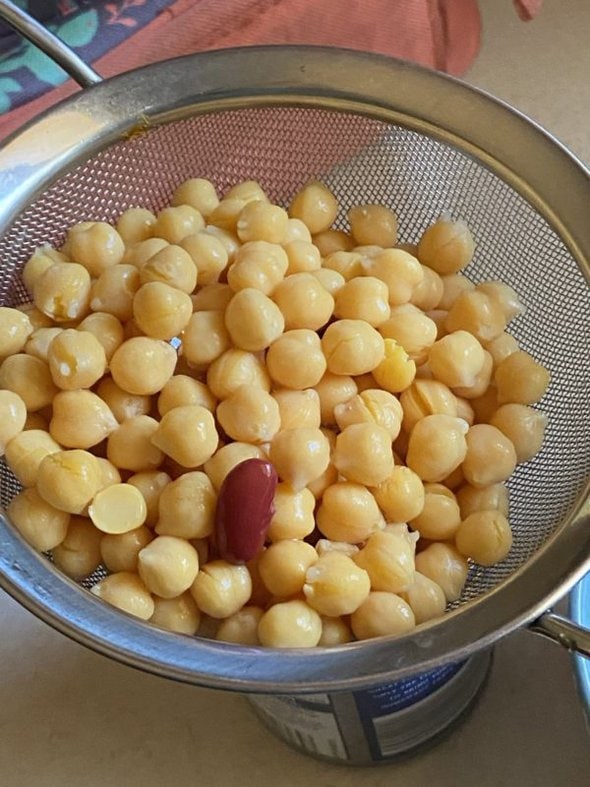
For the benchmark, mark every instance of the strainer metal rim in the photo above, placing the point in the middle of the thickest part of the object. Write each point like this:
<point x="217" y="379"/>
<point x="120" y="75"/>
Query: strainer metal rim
<point x="535" y="164"/>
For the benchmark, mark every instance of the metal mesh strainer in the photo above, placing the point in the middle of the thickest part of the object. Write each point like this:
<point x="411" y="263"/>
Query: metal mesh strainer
<point x="374" y="131"/>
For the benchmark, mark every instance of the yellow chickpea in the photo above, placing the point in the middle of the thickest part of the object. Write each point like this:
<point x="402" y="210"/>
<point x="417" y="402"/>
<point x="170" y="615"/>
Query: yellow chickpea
<point x="382" y="614"/>
<point x="446" y="246"/>
<point x="334" y="389"/>
<point x="78" y="555"/>
<point x="227" y="238"/>
<point x="335" y="585"/>
<point x="335" y="631"/>
<point x="247" y="191"/>
<point x="372" y="406"/>
<point x="182" y="390"/>
<point x="352" y="347"/>
<point x="135" y="225"/>
<point x="299" y="455"/>
<point x="485" y="537"/>
<point x="456" y="359"/>
<point x="426" y="397"/>
<point x="397" y="370"/>
<point x="13" y="416"/>
<point x="443" y="564"/>
<point x="253" y="320"/>
<point x="363" y="454"/>
<point x="348" y="264"/>
<point x="388" y="559"/>
<point x="303" y="301"/>
<point x="106" y="328"/>
<point x="95" y="245"/>
<point x="227" y="457"/>
<point x="258" y="264"/>
<point x="400" y="271"/>
<point x="235" y="368"/>
<point x="411" y="328"/>
<point x="171" y="265"/>
<point x="401" y="495"/>
<point x="168" y="566"/>
<point x="425" y="597"/>
<point x="476" y="312"/>
<point x="315" y="206"/>
<point x="109" y="473"/>
<point x="261" y="221"/>
<point x="293" y="516"/>
<point x="440" y="517"/>
<point x="330" y="241"/>
<point x="130" y="446"/>
<point x="485" y="406"/>
<point x="161" y="311"/>
<point x="504" y="296"/>
<point x="348" y="512"/>
<point x="283" y="566"/>
<point x="298" y="408"/>
<point x="437" y="445"/>
<point x="488" y="498"/>
<point x="490" y="457"/>
<point x="241" y="628"/>
<point x="68" y="480"/>
<point x="501" y="347"/>
<point x="221" y="589"/>
<point x="175" y="223"/>
<point x="123" y="405"/>
<point x="303" y="256"/>
<point x="114" y="290"/>
<point x="204" y="338"/>
<point x="296" y="231"/>
<point x="15" y="329"/>
<point x="428" y="294"/>
<point x="249" y="415"/>
<point x="438" y="317"/>
<point x="199" y="193"/>
<point x="63" y="292"/>
<point x="142" y="365"/>
<point x="29" y="378"/>
<point x="520" y="379"/>
<point x="139" y="253"/>
<point x="179" y="614"/>
<point x="119" y="551"/>
<point x="363" y="298"/>
<point x="187" y="507"/>
<point x="481" y="382"/>
<point x="295" y="360"/>
<point x="208" y="254"/>
<point x="454" y="285"/>
<point x="373" y="224"/>
<point x="226" y="214"/>
<point x="187" y="435"/>
<point x="41" y="525"/>
<point x="76" y="359"/>
<point x="331" y="280"/>
<point x="25" y="452"/>
<point x="36" y="317"/>
<point x="80" y="419"/>
<point x="118" y="508"/>
<point x="523" y="426"/>
<point x="290" y="624"/>
<point x="151" y="484"/>
<point x="126" y="592"/>
<point x="42" y="258"/>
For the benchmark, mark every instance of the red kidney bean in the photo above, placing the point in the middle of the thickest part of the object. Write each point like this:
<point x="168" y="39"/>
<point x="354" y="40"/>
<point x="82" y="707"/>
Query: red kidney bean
<point x="245" y="507"/>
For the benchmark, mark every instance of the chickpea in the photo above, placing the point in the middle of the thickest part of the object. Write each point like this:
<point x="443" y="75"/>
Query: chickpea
<point x="446" y="246"/>
<point x="41" y="259"/>
<point x="295" y="359"/>
<point x="303" y="256"/>
<point x="333" y="390"/>
<point x="25" y="452"/>
<point x="283" y="566"/>
<point x="135" y="225"/>
<point x="443" y="564"/>
<point x="488" y="498"/>
<point x="426" y="397"/>
<point x="347" y="263"/>
<point x="13" y="416"/>
<point x="490" y="457"/>
<point x="293" y="515"/>
<point x="304" y="302"/>
<point x="171" y="265"/>
<point x="298" y="408"/>
<point x="76" y="359"/>
<point x="208" y="254"/>
<point x="334" y="584"/>
<point x="235" y="368"/>
<point x="523" y="426"/>
<point x="259" y="265"/>
<point x="247" y="191"/>
<point x="296" y="231"/>
<point x="78" y="555"/>
<point x="168" y="566"/>
<point x="454" y="285"/>
<point x="63" y="292"/>
<point x="352" y="347"/>
<point x="425" y="597"/>
<point x="187" y="507"/>
<point x="401" y="495"/>
<point x="151" y="484"/>
<point x="330" y="241"/>
<point x="199" y="193"/>
<point x="371" y="406"/>
<point x="119" y="551"/>
<point x="335" y="631"/>
<point x="440" y="517"/>
<point x="114" y="289"/>
<point x="412" y="329"/>
<point x="401" y="272"/>
<point x="428" y="294"/>
<point x="520" y="379"/>
<point x="29" y="378"/>
<point x="221" y="589"/>
<point x="179" y="614"/>
<point x="249" y="415"/>
<point x="397" y="370"/>
<point x="290" y="624"/>
<point x="108" y="472"/>
<point x="437" y="445"/>
<point x="457" y="359"/>
<point x="477" y="313"/>
<point x="331" y="281"/>
<point x="130" y="446"/>
<point x="261" y="221"/>
<point x="95" y="245"/>
<point x="382" y="614"/>
<point x="388" y="559"/>
<point x="161" y="311"/>
<point x="363" y="298"/>
<point x="41" y="525"/>
<point x="438" y="317"/>
<point x="501" y="347"/>
<point x="118" y="508"/>
<point x="36" y="317"/>
<point x="299" y="455"/>
<point x="241" y="628"/>
<point x="68" y="480"/>
<point x="188" y="435"/>
<point x="504" y="296"/>
<point x="348" y="512"/>
<point x="127" y="592"/>
<point x="139" y="253"/>
<point x="253" y="320"/>
<point x="227" y="457"/>
<point x="315" y="206"/>
<point x="227" y="238"/>
<point x="182" y="390"/>
<point x="175" y="223"/>
<point x="373" y="224"/>
<point x="80" y="419"/>
<point x="205" y="338"/>
<point x="481" y="382"/>
<point x="123" y="405"/>
<point x="226" y="214"/>
<point x="485" y="537"/>
<point x="142" y="365"/>
<point x="15" y="329"/>
<point x="363" y="454"/>
<point x="106" y="328"/>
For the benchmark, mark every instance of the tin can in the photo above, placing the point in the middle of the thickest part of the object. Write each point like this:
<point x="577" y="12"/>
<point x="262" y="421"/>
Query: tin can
<point x="378" y="724"/>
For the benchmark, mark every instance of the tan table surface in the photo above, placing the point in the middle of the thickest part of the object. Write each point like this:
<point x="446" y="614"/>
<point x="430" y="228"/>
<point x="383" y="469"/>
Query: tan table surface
<point x="71" y="718"/>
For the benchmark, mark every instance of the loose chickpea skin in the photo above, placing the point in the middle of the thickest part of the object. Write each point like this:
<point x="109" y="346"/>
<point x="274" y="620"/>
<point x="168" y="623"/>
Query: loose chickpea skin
<point x="78" y="555"/>
<point x="95" y="245"/>
<point x="363" y="454"/>
<point x="130" y="446"/>
<point x="453" y="285"/>
<point x="106" y="328"/>
<point x="520" y="379"/>
<point x="135" y="225"/>
<point x="15" y="329"/>
<point x="425" y="597"/>
<point x="123" y="405"/>
<point x="315" y="206"/>
<point x="187" y="507"/>
<point x="440" y="517"/>
<point x="76" y="359"/>
<point x="397" y="370"/>
<point x="446" y="246"/>
<point x="401" y="495"/>
<point x="490" y="457"/>
<point x="249" y="415"/>
<point x="175" y="223"/>
<point x="335" y="585"/>
<point x="352" y="347"/>
<point x="426" y="397"/>
<point x="330" y="241"/>
<point x="298" y="408"/>
<point x="187" y="435"/>
<point x="204" y="338"/>
<point x="283" y="566"/>
<point x="119" y="551"/>
<point x="80" y="419"/>
<point x="261" y="221"/>
<point x="29" y="378"/>
<point x="208" y="254"/>
<point x="13" y="416"/>
<point x="142" y="365"/>
<point x="523" y="426"/>
<point x="290" y="624"/>
<point x="334" y="389"/>
<point x="295" y="359"/>
<point x="443" y="564"/>
<point x="199" y="193"/>
<point x="41" y="525"/>
<point x="171" y="265"/>
<point x="485" y="537"/>
<point x="168" y="566"/>
<point x="151" y="484"/>
<point x="382" y="614"/>
<point x="388" y="559"/>
<point x="348" y="512"/>
<point x="299" y="455"/>
<point x="437" y="445"/>
<point x="372" y="406"/>
<point x="235" y="368"/>
<point x="114" y="290"/>
<point x="127" y="592"/>
<point x="303" y="301"/>
<point x="456" y="359"/>
<point x="260" y="265"/>
<point x="253" y="320"/>
<point x="293" y="516"/>
<point x="303" y="256"/>
<point x="373" y="224"/>
<point x="68" y="480"/>
<point x="221" y="589"/>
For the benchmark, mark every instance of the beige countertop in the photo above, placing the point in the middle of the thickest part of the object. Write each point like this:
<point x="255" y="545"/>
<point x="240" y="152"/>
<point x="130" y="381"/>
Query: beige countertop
<point x="71" y="718"/>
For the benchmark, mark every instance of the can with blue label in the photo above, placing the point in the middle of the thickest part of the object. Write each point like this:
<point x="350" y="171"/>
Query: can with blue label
<point x="378" y="724"/>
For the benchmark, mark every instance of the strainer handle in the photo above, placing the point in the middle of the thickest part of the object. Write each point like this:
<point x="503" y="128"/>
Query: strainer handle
<point x="53" y="47"/>
<point x="569" y="635"/>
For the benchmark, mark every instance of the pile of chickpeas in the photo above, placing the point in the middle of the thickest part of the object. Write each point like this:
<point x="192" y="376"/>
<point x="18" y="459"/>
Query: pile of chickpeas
<point x="160" y="353"/>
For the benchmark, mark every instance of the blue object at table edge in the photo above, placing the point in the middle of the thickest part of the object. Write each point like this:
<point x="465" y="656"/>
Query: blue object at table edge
<point x="580" y="613"/>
